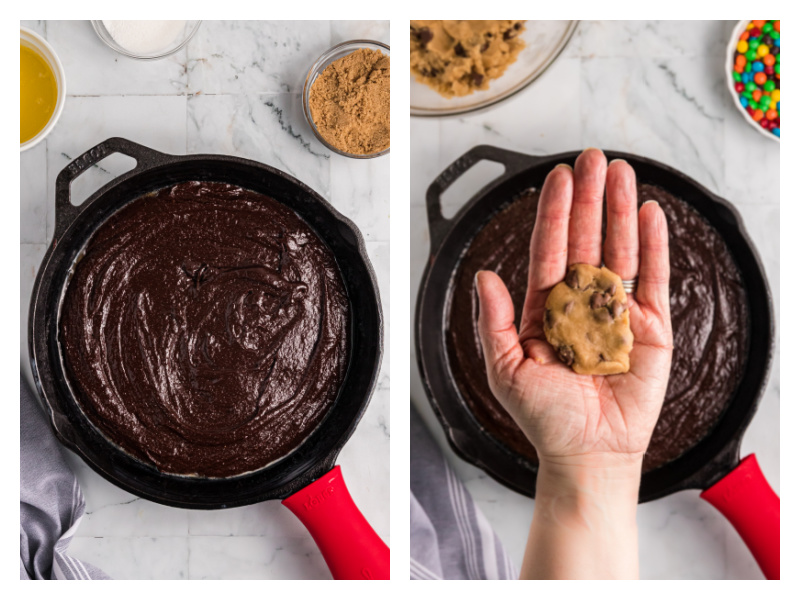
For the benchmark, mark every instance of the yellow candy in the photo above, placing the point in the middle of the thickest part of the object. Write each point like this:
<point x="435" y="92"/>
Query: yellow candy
<point x="763" y="50"/>
<point x="742" y="46"/>
<point x="773" y="105"/>
<point x="776" y="95"/>
<point x="749" y="26"/>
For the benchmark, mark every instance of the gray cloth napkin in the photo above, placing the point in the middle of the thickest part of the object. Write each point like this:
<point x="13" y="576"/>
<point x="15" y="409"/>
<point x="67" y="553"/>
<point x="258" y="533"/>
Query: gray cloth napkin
<point x="50" y="500"/>
<point x="450" y="536"/>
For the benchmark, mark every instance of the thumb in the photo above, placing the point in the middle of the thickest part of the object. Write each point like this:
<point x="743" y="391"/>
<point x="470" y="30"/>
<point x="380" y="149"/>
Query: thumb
<point x="499" y="338"/>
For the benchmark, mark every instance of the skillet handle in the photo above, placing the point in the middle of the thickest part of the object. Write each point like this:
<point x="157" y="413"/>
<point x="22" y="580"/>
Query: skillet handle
<point x="349" y="545"/>
<point x="514" y="162"/>
<point x="746" y="499"/>
<point x="66" y="212"/>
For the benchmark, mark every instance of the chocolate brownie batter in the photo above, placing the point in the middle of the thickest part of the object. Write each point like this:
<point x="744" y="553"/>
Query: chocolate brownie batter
<point x="709" y="310"/>
<point x="205" y="330"/>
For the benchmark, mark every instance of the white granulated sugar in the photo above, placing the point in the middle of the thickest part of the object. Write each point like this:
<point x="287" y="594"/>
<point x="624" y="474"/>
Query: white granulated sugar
<point x="145" y="37"/>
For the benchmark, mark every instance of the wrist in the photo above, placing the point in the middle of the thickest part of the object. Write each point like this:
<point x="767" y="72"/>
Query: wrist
<point x="593" y="490"/>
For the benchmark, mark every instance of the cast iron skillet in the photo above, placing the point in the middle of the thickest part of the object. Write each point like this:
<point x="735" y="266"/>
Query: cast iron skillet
<point x="713" y="464"/>
<point x="306" y="477"/>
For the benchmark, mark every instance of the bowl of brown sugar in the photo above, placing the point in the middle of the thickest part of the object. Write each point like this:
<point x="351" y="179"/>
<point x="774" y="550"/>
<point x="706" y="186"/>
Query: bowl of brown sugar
<point x="346" y="98"/>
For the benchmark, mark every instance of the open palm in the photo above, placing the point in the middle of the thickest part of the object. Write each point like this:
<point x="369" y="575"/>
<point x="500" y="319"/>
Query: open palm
<point x="563" y="414"/>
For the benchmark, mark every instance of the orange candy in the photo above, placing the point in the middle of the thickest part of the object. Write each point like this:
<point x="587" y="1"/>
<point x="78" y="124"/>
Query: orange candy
<point x="757" y="115"/>
<point x="768" y="60"/>
<point x="745" y="35"/>
<point x="756" y="95"/>
<point x="760" y="78"/>
<point x="772" y="114"/>
<point x="759" y="24"/>
<point x="738" y="68"/>
<point x="776" y="25"/>
<point x="741" y="61"/>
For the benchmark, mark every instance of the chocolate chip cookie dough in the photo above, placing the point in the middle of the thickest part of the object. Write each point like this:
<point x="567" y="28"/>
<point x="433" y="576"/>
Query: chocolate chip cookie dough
<point x="587" y="321"/>
<point x="206" y="329"/>
<point x="708" y="305"/>
<point x="456" y="58"/>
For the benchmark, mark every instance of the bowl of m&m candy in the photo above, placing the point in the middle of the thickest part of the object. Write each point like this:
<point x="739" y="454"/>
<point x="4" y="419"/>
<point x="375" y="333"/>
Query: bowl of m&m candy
<point x="754" y="74"/>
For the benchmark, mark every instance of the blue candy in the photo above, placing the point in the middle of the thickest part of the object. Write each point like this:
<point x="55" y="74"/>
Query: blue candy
<point x="758" y="66"/>
<point x="777" y="131"/>
<point x="778" y="105"/>
<point x="777" y="43"/>
<point x="743" y="101"/>
<point x="747" y="77"/>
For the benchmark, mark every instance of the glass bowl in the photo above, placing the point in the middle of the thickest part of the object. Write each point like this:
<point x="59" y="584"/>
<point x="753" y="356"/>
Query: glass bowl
<point x="33" y="40"/>
<point x="335" y="53"/>
<point x="544" y="41"/>
<point x="737" y="31"/>
<point x="189" y="30"/>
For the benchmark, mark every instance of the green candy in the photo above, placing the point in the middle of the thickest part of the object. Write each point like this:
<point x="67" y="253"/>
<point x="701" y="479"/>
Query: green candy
<point x="748" y="67"/>
<point x="778" y="68"/>
<point x="775" y="34"/>
<point x="753" y="104"/>
<point x="769" y="86"/>
<point x="767" y="28"/>
<point x="748" y="95"/>
<point x="778" y="57"/>
<point x="765" y="103"/>
<point x="736" y="76"/>
<point x="754" y="42"/>
<point x="750" y="86"/>
<point x="750" y="55"/>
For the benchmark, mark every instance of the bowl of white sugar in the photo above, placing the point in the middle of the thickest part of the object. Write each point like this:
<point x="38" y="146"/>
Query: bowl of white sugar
<point x="146" y="40"/>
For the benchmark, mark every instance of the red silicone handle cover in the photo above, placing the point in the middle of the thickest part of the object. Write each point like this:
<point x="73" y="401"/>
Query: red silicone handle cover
<point x="754" y="509"/>
<point x="348" y="543"/>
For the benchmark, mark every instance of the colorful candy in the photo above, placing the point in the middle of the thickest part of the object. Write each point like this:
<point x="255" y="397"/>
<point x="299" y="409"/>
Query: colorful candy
<point x="757" y="73"/>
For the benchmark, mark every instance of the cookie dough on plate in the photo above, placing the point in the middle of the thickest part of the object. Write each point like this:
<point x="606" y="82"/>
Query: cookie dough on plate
<point x="455" y="58"/>
<point x="587" y="321"/>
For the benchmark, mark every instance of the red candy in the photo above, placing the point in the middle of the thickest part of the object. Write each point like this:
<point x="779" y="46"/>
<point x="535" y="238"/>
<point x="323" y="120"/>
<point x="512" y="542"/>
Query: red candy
<point x="739" y="87"/>
<point x="770" y="70"/>
<point x="764" y="123"/>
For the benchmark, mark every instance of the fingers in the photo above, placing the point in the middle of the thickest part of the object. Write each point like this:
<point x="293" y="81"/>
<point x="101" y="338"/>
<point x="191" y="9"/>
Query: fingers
<point x="586" y="221"/>
<point x="652" y="289"/>
<point x="551" y="231"/>
<point x="501" y="348"/>
<point x="621" y="252"/>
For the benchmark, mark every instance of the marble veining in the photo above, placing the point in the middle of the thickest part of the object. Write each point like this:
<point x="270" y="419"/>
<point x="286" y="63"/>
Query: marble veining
<point x="656" y="89"/>
<point x="235" y="89"/>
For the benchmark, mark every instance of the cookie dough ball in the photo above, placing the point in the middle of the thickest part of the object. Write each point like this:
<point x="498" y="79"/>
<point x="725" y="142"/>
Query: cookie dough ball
<point x="455" y="58"/>
<point x="587" y="321"/>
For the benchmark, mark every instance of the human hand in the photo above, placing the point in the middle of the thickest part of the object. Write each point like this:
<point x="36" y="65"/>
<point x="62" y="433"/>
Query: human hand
<point x="576" y="419"/>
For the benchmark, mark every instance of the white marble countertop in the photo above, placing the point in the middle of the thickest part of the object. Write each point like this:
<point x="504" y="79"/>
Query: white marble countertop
<point x="234" y="89"/>
<point x="656" y="89"/>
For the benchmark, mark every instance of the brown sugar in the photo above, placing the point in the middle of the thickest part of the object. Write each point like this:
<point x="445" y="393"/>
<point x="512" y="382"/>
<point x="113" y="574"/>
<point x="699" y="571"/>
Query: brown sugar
<point x="349" y="102"/>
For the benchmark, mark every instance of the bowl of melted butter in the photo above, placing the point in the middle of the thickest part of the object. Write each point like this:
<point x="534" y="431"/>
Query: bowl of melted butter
<point x="42" y="88"/>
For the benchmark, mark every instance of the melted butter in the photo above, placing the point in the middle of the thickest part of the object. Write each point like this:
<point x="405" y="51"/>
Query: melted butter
<point x="38" y="93"/>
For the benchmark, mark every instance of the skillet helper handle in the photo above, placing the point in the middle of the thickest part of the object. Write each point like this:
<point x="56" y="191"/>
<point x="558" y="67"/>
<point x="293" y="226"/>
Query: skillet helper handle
<point x="349" y="545"/>
<point x="66" y="212"/>
<point x="514" y="162"/>
<point x="746" y="499"/>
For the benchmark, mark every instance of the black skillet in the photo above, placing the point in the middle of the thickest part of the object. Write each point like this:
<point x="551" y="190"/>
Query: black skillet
<point x="306" y="479"/>
<point x="737" y="488"/>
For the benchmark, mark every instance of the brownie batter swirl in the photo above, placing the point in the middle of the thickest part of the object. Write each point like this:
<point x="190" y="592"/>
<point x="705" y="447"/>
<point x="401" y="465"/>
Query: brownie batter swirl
<point x="206" y="329"/>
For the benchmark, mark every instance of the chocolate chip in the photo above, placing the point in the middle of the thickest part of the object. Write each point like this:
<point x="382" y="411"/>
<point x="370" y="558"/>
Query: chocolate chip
<point x="424" y="35"/>
<point x="603" y="316"/>
<point x="566" y="355"/>
<point x="484" y="47"/>
<point x="548" y="318"/>
<point x="572" y="279"/>
<point x="616" y="308"/>
<point x="612" y="290"/>
<point x="602" y="358"/>
<point x="517" y="26"/>
<point x="568" y="306"/>
<point x="477" y="78"/>
<point x="598" y="300"/>
<point x="508" y="35"/>
<point x="459" y="50"/>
